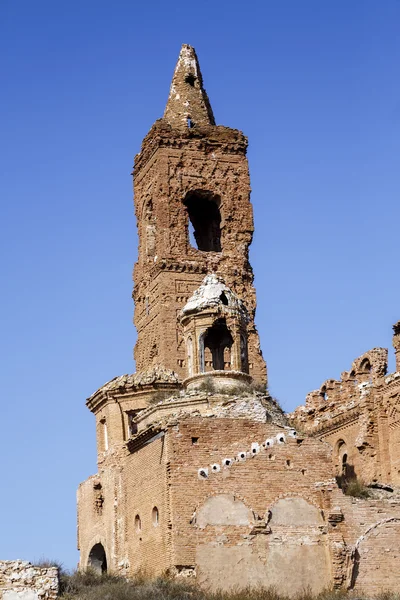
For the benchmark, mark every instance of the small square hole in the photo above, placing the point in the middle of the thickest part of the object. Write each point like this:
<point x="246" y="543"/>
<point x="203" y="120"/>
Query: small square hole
<point x="195" y="440"/>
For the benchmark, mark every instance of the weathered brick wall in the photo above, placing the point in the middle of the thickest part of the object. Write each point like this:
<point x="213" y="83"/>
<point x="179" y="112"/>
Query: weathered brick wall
<point x="144" y="490"/>
<point x="296" y="470"/>
<point x="101" y="515"/>
<point x="360" y="418"/>
<point x="370" y="531"/>
<point x="20" y="580"/>
<point x="176" y="160"/>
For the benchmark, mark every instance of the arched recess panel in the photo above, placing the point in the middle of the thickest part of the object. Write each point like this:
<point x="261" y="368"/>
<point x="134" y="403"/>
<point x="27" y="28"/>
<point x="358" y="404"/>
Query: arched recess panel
<point x="298" y="557"/>
<point x="97" y="559"/>
<point x="291" y="558"/>
<point x="223" y="509"/>
<point x="377" y="559"/>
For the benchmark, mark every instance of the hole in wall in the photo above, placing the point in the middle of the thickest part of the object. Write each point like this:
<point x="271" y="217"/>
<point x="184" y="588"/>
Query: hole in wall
<point x="224" y="299"/>
<point x="205" y="218"/>
<point x="190" y="79"/>
<point x="195" y="440"/>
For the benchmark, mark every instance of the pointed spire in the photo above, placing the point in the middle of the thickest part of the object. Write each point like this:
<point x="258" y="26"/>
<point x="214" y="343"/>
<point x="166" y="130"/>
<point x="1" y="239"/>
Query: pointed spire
<point x="188" y="104"/>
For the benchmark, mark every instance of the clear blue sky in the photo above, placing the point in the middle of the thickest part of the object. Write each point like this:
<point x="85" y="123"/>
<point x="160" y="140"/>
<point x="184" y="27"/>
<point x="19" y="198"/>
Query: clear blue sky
<point x="315" y="86"/>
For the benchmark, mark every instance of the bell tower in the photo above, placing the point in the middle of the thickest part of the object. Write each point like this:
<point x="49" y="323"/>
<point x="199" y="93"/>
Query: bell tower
<point x="194" y="216"/>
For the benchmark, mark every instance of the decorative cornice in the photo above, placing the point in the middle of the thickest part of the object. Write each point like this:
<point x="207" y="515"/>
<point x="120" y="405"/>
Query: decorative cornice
<point x="155" y="378"/>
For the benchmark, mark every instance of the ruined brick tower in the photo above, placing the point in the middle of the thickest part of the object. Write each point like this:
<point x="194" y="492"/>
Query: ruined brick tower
<point x="192" y="203"/>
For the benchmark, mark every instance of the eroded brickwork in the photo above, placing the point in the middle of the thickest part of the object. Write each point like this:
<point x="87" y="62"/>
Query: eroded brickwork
<point x="190" y="175"/>
<point x="359" y="417"/>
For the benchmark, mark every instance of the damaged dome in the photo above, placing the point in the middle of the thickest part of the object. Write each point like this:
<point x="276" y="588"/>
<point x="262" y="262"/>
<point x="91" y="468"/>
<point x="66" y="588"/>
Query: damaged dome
<point x="213" y="293"/>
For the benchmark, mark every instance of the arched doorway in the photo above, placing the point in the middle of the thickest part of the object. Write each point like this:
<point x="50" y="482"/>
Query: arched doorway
<point x="97" y="559"/>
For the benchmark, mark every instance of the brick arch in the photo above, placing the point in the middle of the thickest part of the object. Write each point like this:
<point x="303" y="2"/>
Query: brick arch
<point x="286" y="495"/>
<point x="224" y="510"/>
<point x="296" y="521"/>
<point x="301" y="505"/>
<point x="362" y="566"/>
<point x="238" y="498"/>
<point x="97" y="541"/>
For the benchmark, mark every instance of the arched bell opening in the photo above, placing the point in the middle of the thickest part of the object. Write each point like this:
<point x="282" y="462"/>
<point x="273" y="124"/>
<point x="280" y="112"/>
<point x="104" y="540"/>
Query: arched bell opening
<point x="204" y="227"/>
<point x="218" y="340"/>
<point x="97" y="559"/>
<point x="244" y="357"/>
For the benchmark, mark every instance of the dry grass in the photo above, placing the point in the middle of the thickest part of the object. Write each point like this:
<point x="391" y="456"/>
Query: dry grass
<point x="91" y="586"/>
<point x="356" y="488"/>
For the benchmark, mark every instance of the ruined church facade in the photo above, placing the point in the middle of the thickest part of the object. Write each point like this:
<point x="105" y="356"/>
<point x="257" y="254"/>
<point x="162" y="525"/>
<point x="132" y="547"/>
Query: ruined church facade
<point x="200" y="473"/>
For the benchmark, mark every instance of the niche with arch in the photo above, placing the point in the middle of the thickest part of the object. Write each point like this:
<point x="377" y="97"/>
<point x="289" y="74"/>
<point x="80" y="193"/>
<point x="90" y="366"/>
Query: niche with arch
<point x="149" y="228"/>
<point x="203" y="209"/>
<point x="218" y="341"/>
<point x="138" y="524"/>
<point x="376" y="559"/>
<point x="97" y="559"/>
<point x="155" y="517"/>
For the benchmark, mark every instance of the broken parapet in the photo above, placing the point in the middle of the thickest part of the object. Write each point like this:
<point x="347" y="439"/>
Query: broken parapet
<point x="156" y="378"/>
<point x="253" y="405"/>
<point x="20" y="580"/>
<point x="335" y="397"/>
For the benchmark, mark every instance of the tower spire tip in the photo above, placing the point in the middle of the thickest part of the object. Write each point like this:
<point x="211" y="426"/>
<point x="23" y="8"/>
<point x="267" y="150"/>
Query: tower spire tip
<point x="188" y="104"/>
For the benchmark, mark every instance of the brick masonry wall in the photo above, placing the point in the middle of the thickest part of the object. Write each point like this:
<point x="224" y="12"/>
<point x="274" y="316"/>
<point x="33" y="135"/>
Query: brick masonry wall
<point x="359" y="416"/>
<point x="286" y="469"/>
<point x="145" y="489"/>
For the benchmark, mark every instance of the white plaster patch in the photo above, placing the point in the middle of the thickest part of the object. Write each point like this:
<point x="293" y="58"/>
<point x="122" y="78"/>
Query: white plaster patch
<point x="210" y="294"/>
<point x="21" y="595"/>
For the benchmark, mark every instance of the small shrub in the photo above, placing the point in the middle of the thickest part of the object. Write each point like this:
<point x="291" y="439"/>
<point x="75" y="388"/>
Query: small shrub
<point x="207" y="385"/>
<point x="258" y="387"/>
<point x="47" y="563"/>
<point x="355" y="488"/>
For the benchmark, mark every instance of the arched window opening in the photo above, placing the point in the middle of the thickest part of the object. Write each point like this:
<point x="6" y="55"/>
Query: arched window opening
<point x="155" y="516"/>
<point x="190" y="356"/>
<point x="324" y="395"/>
<point x="353" y="378"/>
<point x="205" y="220"/>
<point x="218" y="340"/>
<point x="243" y="355"/>
<point x="344" y="463"/>
<point x="365" y="366"/>
<point x="224" y="299"/>
<point x="132" y="422"/>
<point x="104" y="433"/>
<point x="208" y="362"/>
<point x="138" y="523"/>
<point x="97" y="559"/>
<point x="149" y="228"/>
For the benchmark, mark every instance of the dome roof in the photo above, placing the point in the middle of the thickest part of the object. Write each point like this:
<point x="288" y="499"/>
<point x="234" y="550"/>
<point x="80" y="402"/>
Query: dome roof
<point x="213" y="293"/>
